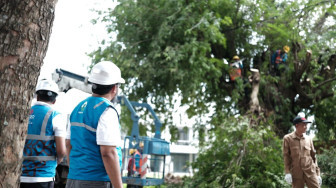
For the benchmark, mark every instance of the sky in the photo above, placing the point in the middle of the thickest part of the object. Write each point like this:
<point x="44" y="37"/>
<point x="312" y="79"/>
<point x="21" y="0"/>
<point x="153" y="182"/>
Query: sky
<point x="73" y="36"/>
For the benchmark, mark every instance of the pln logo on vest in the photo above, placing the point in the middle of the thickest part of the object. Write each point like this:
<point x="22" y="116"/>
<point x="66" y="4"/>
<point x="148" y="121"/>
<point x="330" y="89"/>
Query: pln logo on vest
<point x="31" y="117"/>
<point x="82" y="108"/>
<point x="31" y="114"/>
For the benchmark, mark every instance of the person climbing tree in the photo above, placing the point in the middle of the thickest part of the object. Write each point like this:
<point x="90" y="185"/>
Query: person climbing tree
<point x="235" y="68"/>
<point x="279" y="58"/>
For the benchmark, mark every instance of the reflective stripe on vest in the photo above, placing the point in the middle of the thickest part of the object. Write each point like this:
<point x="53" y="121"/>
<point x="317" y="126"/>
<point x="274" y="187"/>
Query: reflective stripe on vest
<point x="40" y="158"/>
<point x="84" y="125"/>
<point x="43" y="137"/>
<point x="97" y="105"/>
<point x="39" y="137"/>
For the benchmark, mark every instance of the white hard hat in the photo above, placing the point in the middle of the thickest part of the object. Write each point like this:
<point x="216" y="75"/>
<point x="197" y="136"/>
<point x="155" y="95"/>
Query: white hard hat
<point x="47" y="85"/>
<point x="106" y="73"/>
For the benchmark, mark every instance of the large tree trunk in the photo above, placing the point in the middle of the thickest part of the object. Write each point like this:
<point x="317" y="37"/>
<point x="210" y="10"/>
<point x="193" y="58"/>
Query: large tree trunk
<point x="25" y="27"/>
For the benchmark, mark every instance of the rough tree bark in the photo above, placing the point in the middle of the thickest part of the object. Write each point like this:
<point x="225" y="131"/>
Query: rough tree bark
<point x="25" y="28"/>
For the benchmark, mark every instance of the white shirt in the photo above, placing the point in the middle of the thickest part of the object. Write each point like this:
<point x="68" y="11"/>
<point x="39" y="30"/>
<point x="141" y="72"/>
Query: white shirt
<point x="108" y="131"/>
<point x="59" y="126"/>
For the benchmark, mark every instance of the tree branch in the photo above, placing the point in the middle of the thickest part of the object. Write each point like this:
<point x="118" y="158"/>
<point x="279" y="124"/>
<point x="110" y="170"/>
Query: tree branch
<point x="327" y="95"/>
<point x="325" y="82"/>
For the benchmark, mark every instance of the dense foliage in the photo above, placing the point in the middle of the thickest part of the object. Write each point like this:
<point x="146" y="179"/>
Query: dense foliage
<point x="177" y="48"/>
<point x="327" y="164"/>
<point x="239" y="156"/>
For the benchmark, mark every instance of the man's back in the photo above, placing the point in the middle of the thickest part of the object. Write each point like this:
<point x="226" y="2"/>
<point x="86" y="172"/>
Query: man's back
<point x="93" y="139"/>
<point x="85" y="157"/>
<point x="40" y="150"/>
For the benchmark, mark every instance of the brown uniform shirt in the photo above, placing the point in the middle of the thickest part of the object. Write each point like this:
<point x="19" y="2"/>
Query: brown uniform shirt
<point x="299" y="156"/>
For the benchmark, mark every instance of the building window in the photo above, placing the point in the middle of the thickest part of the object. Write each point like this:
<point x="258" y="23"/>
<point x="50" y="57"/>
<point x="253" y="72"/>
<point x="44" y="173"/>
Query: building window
<point x="184" y="134"/>
<point x="180" y="162"/>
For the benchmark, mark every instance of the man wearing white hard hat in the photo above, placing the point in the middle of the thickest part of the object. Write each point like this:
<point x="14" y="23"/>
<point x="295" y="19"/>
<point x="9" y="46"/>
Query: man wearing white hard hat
<point x="93" y="137"/>
<point x="45" y="143"/>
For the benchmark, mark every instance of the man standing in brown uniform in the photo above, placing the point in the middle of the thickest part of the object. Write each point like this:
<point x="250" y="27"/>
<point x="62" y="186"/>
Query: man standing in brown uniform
<point x="299" y="157"/>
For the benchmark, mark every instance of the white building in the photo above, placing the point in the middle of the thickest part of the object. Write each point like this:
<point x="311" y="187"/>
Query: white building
<point x="183" y="152"/>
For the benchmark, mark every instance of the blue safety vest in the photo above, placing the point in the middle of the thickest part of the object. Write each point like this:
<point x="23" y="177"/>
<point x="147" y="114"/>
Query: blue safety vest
<point x="85" y="158"/>
<point x="39" y="154"/>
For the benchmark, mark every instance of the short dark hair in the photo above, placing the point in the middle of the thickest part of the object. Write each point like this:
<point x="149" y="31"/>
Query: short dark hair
<point x="46" y="96"/>
<point x="101" y="89"/>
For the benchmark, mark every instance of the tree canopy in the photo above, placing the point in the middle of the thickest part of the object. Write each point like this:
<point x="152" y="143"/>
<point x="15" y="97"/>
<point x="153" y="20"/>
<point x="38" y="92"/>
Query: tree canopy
<point x="179" y="48"/>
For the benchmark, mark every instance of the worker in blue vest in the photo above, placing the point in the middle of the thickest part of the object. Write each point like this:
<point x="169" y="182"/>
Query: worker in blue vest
<point x="279" y="57"/>
<point x="45" y="143"/>
<point x="93" y="137"/>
